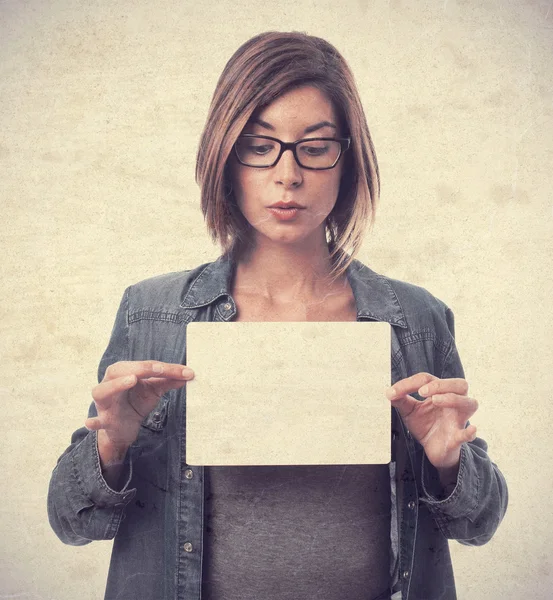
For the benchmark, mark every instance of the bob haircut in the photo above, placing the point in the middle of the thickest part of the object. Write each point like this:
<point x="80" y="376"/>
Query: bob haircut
<point x="261" y="70"/>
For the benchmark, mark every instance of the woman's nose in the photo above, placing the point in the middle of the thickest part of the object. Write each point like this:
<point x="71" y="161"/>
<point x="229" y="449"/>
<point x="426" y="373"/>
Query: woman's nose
<point x="287" y="170"/>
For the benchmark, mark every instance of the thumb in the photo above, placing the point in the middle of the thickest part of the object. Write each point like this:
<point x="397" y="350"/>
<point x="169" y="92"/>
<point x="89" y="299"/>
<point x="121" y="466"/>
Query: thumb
<point x="94" y="424"/>
<point x="162" y="385"/>
<point x="405" y="405"/>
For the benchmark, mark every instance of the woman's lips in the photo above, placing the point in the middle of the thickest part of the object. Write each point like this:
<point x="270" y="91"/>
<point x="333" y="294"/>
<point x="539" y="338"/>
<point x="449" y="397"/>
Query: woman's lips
<point x="285" y="214"/>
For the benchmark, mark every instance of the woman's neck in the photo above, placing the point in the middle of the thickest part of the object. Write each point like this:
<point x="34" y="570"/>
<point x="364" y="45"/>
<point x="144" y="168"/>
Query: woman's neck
<point x="281" y="273"/>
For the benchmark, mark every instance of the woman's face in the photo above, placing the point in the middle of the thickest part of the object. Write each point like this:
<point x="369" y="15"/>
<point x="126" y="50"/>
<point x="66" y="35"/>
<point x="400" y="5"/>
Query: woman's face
<point x="300" y="113"/>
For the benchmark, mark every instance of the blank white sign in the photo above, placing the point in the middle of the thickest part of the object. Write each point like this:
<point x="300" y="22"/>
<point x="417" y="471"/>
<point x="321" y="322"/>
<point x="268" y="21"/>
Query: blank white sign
<point x="291" y="393"/>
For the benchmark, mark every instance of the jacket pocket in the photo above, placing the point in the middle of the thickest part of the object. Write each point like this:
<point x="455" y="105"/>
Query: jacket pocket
<point x="157" y="419"/>
<point x="150" y="451"/>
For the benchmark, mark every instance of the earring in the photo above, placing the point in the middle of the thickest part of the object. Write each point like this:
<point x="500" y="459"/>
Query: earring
<point x="227" y="189"/>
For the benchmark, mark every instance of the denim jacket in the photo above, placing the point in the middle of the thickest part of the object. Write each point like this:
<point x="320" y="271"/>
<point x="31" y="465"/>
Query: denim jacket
<point x="156" y="520"/>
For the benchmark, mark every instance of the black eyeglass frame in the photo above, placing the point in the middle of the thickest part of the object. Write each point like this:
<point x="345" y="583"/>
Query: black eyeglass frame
<point x="344" y="145"/>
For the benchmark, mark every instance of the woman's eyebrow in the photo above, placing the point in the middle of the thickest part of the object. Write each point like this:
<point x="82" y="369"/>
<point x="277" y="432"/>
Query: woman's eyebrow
<point x="320" y="125"/>
<point x="262" y="123"/>
<point x="309" y="129"/>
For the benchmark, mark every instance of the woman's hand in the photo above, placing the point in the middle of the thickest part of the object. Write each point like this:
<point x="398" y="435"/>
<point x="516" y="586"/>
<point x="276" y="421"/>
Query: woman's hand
<point x="129" y="391"/>
<point x="438" y="422"/>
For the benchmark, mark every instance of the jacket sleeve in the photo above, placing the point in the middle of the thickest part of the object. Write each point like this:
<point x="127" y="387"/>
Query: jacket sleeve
<point x="473" y="510"/>
<point x="81" y="505"/>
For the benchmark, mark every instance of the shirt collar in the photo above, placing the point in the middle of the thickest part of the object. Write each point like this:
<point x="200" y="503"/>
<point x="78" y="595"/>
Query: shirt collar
<point x="374" y="296"/>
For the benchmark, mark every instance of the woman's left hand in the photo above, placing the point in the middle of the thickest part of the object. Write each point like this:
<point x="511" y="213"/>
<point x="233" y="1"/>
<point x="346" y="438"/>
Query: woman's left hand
<point x="438" y="422"/>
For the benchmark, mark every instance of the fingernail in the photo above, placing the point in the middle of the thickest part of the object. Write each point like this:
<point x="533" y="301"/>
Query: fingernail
<point x="128" y="380"/>
<point x="157" y="368"/>
<point x="391" y="393"/>
<point x="424" y="390"/>
<point x="186" y="372"/>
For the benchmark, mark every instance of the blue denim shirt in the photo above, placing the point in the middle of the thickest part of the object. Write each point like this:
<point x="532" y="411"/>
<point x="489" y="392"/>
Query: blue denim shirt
<point x="157" y="518"/>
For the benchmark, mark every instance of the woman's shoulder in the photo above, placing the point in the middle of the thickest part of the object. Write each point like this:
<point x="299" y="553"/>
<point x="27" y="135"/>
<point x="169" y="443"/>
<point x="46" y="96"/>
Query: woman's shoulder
<point x="177" y="288"/>
<point x="405" y="290"/>
<point x="417" y="305"/>
<point x="413" y="294"/>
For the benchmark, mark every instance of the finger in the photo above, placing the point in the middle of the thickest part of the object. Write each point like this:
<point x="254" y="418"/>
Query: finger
<point x="94" y="424"/>
<point x="463" y="404"/>
<point x="409" y="385"/>
<point x="405" y="405"/>
<point x="104" y="392"/>
<point x="443" y="386"/>
<point x="468" y="434"/>
<point x="147" y="368"/>
<point x="164" y="385"/>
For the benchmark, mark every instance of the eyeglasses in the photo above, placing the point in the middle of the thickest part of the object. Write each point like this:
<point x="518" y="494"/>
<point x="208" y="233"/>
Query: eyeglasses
<point x="317" y="154"/>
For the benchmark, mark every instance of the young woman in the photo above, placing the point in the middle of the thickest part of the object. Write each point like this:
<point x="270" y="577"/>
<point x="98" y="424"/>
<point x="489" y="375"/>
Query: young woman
<point x="289" y="182"/>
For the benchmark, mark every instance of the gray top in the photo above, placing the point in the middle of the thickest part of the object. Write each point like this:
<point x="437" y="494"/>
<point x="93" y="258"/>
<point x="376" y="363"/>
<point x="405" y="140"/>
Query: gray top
<point x="296" y="532"/>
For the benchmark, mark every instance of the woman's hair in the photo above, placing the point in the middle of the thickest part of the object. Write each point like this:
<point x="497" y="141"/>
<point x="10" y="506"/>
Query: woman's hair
<point x="261" y="70"/>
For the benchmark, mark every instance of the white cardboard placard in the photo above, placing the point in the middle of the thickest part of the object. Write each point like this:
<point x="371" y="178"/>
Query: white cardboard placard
<point x="288" y="393"/>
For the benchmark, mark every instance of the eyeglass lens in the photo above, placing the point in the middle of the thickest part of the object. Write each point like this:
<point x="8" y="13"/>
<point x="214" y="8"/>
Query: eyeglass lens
<point x="261" y="152"/>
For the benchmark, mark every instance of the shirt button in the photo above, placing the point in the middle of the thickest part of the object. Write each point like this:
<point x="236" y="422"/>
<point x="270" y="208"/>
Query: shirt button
<point x="226" y="306"/>
<point x="411" y="505"/>
<point x="409" y="435"/>
<point x="188" y="474"/>
<point x="187" y="547"/>
<point x="405" y="574"/>
<point x="156" y="417"/>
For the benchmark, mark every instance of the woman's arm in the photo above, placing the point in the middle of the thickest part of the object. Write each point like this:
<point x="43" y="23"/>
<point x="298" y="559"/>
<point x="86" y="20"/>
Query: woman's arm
<point x="463" y="489"/>
<point x="472" y="508"/>
<point x="81" y="504"/>
<point x="476" y="505"/>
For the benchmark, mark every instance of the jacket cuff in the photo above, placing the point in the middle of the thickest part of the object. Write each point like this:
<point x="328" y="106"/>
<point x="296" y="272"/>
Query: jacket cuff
<point x="87" y="471"/>
<point x="464" y="497"/>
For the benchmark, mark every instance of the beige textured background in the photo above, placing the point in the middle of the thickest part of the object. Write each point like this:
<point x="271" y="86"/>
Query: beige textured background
<point x="101" y="106"/>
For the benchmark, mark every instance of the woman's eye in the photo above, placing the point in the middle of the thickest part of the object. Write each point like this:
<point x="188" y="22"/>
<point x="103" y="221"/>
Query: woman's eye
<point x="315" y="150"/>
<point x="264" y="149"/>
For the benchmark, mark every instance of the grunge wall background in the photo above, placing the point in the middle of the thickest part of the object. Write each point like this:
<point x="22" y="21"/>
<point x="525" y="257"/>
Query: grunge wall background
<point x="101" y="107"/>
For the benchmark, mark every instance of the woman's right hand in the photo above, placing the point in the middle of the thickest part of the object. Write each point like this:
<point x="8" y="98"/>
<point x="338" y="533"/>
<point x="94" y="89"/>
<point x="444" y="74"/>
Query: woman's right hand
<point x="129" y="391"/>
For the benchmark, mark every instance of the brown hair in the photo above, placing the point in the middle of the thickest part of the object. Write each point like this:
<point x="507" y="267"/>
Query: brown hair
<point x="263" y="68"/>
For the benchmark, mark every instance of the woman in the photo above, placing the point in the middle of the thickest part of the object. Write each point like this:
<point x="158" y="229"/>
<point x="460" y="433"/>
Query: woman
<point x="289" y="182"/>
